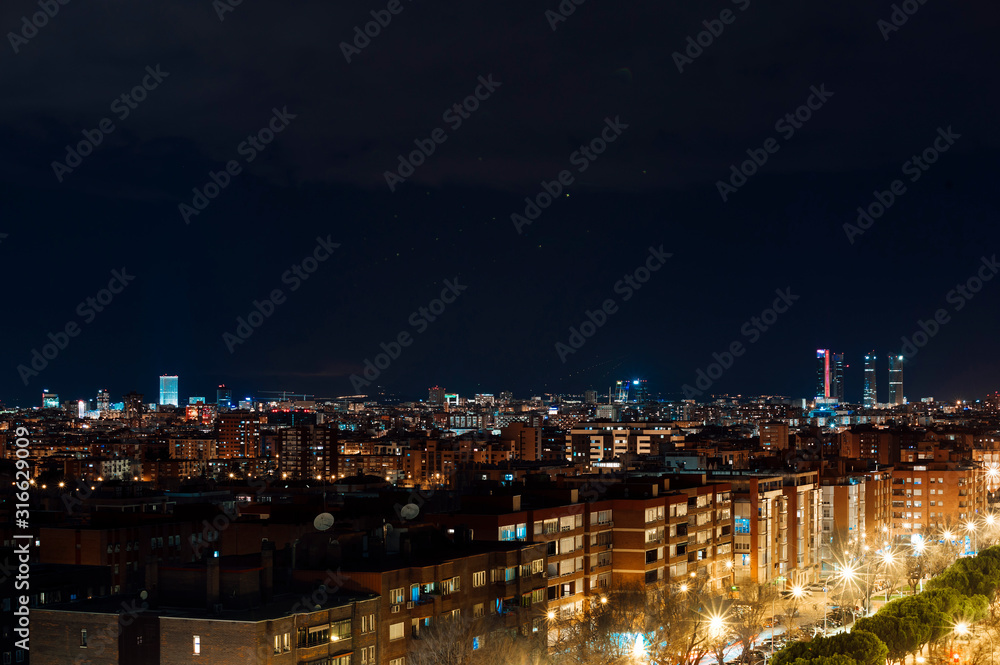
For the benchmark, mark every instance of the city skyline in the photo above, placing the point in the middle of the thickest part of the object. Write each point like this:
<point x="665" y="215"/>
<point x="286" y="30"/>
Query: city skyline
<point x="394" y="333"/>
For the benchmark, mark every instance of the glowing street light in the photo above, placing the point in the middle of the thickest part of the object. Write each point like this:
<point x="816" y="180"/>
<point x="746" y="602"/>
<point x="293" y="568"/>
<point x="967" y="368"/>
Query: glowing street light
<point x="684" y="588"/>
<point x="551" y="615"/>
<point x="716" y="624"/>
<point x="638" y="648"/>
<point x="961" y="628"/>
<point x="797" y="591"/>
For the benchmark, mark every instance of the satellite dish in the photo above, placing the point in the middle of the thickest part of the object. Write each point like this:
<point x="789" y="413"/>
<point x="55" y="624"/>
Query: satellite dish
<point x="409" y="511"/>
<point x="323" y="521"/>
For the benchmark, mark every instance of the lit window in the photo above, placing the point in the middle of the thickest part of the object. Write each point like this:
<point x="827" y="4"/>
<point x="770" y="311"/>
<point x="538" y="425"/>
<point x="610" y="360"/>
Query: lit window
<point x="197" y="644"/>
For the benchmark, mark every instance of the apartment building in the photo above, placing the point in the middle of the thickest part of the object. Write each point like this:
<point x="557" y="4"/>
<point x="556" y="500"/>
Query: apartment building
<point x="501" y="581"/>
<point x="930" y="496"/>
<point x="238" y="434"/>
<point x="599" y="441"/>
<point x="307" y="451"/>
<point x="637" y="533"/>
<point x="777" y="526"/>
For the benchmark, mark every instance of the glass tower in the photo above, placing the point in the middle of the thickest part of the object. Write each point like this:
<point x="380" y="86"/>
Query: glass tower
<point x="837" y="377"/>
<point x="822" y="373"/>
<point x="895" y="379"/>
<point x="168" y="391"/>
<point x="871" y="388"/>
<point x="829" y="376"/>
<point x="224" y="397"/>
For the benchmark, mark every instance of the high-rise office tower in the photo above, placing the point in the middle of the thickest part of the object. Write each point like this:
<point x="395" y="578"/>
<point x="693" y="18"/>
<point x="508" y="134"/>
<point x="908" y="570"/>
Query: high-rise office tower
<point x="50" y="400"/>
<point x="829" y="376"/>
<point x="223" y="397"/>
<point x="837" y="378"/>
<point x="871" y="387"/>
<point x="590" y="397"/>
<point x="895" y="379"/>
<point x="640" y="391"/>
<point x="822" y="373"/>
<point x="103" y="400"/>
<point x="168" y="391"/>
<point x="435" y="395"/>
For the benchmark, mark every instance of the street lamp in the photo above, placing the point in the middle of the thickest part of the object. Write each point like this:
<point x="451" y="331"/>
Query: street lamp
<point x="888" y="559"/>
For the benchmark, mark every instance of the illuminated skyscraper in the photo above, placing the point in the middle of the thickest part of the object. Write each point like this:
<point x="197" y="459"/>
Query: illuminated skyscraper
<point x="895" y="379"/>
<point x="837" y="378"/>
<point x="640" y="391"/>
<point x="103" y="400"/>
<point x="168" y="391"/>
<point x="871" y="388"/>
<point x="50" y="400"/>
<point x="223" y="398"/>
<point x="829" y="376"/>
<point x="822" y="373"/>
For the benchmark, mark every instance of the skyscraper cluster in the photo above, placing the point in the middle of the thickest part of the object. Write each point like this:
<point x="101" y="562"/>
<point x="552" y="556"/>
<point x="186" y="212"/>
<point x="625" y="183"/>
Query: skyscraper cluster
<point x="830" y="379"/>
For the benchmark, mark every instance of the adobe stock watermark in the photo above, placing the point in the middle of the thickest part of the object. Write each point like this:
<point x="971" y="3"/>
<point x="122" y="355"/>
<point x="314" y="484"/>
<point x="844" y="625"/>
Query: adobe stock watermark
<point x="713" y="28"/>
<point x="294" y="278"/>
<point x="901" y="13"/>
<point x="581" y="158"/>
<point x="223" y="7"/>
<point x="565" y="9"/>
<point x="752" y="330"/>
<point x="252" y="146"/>
<point x="87" y="310"/>
<point x="122" y="107"/>
<point x="914" y="167"/>
<point x="454" y="115"/>
<point x="626" y="287"/>
<point x="420" y="320"/>
<point x="37" y="21"/>
<point x="372" y="29"/>
<point x="958" y="298"/>
<point x="786" y="126"/>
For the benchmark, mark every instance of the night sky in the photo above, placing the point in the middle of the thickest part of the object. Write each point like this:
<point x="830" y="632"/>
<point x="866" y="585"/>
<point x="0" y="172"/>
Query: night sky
<point x="886" y="92"/>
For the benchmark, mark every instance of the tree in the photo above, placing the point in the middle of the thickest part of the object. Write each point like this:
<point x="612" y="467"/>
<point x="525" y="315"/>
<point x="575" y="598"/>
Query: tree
<point x="460" y="640"/>
<point x="915" y="570"/>
<point x="900" y="636"/>
<point x="861" y="647"/>
<point x="685" y="626"/>
<point x="747" y="618"/>
<point x="835" y="659"/>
